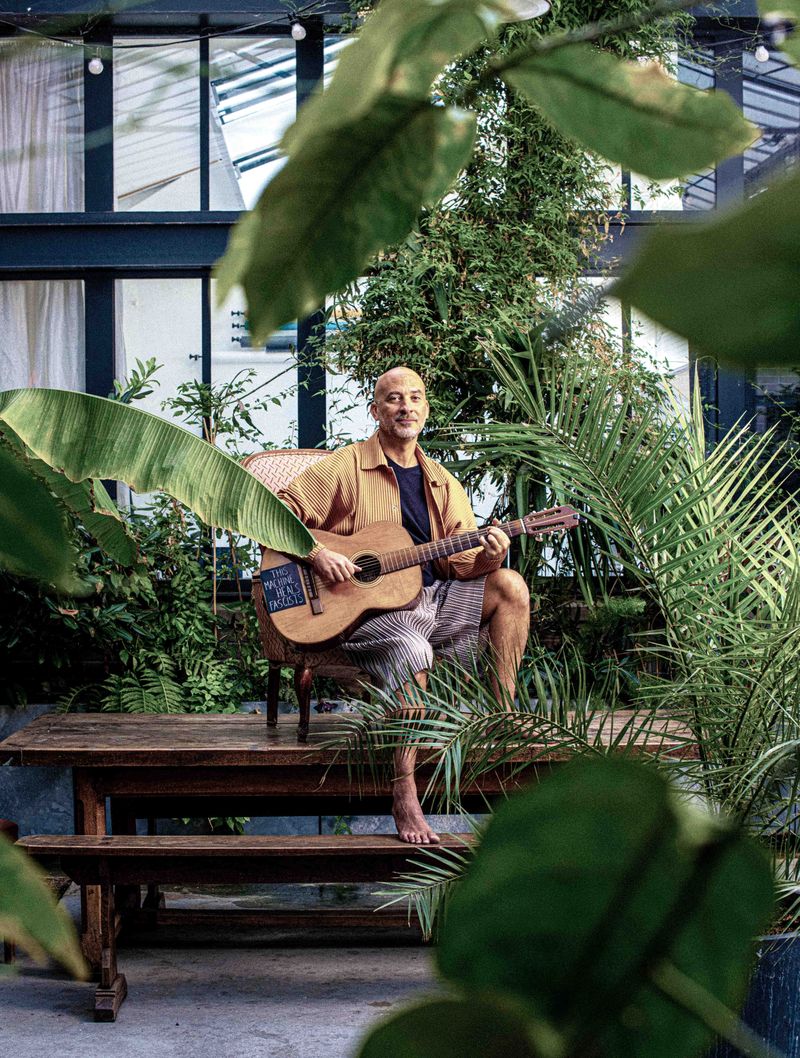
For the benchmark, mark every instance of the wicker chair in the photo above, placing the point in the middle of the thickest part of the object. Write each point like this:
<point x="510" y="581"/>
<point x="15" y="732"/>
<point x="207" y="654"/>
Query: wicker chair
<point x="277" y="469"/>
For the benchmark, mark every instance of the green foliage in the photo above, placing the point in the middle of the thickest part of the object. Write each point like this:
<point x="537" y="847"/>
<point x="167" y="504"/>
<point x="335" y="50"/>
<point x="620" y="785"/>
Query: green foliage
<point x="629" y="113"/>
<point x="86" y="436"/>
<point x="521" y="224"/>
<point x="30" y="917"/>
<point x="601" y="914"/>
<point x="732" y="286"/>
<point x="356" y="198"/>
<point x="33" y="534"/>
<point x="348" y="147"/>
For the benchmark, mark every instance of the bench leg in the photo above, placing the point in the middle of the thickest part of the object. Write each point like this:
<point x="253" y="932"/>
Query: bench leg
<point x="113" y="987"/>
<point x="123" y="821"/>
<point x="303" y="682"/>
<point x="9" y="951"/>
<point x="273" y="689"/>
<point x="90" y="818"/>
<point x="155" y="898"/>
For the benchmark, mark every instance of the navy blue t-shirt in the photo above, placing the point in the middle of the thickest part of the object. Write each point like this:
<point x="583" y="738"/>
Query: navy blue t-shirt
<point x="414" y="510"/>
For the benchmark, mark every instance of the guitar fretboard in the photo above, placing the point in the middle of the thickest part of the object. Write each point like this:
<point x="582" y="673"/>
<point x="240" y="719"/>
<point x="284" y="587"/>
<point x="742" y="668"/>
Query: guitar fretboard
<point x="418" y="555"/>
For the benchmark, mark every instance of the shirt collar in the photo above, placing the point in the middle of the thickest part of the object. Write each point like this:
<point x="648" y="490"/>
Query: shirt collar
<point x="373" y="456"/>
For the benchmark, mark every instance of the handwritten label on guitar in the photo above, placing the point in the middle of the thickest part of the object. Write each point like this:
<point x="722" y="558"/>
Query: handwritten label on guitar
<point x="283" y="587"/>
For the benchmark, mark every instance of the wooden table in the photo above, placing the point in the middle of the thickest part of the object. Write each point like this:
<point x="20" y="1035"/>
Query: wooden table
<point x="167" y="765"/>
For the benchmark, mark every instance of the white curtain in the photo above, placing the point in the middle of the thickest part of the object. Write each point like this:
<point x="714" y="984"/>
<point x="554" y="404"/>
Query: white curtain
<point x="41" y="171"/>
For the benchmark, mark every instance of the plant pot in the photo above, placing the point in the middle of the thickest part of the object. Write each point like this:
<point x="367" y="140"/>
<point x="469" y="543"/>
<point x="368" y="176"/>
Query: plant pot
<point x="772" y="1006"/>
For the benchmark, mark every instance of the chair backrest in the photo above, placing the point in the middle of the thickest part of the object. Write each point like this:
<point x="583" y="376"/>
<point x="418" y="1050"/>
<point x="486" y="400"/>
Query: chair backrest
<point x="278" y="468"/>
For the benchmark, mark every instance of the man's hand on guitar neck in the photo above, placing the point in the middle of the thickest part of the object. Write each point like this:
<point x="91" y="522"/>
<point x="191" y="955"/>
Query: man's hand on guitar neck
<point x="333" y="567"/>
<point x="496" y="543"/>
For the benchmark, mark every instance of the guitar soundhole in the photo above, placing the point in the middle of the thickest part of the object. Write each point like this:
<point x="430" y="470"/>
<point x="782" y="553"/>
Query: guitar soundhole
<point x="370" y="568"/>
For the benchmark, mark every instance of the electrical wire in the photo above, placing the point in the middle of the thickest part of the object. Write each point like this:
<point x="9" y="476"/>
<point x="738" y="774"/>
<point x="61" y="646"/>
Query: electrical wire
<point x="309" y="10"/>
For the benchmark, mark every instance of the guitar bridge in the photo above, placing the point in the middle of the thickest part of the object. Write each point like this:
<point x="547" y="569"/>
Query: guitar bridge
<point x="311" y="587"/>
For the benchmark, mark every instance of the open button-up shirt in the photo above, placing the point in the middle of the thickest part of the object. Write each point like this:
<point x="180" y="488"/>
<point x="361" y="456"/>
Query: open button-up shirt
<point x="355" y="487"/>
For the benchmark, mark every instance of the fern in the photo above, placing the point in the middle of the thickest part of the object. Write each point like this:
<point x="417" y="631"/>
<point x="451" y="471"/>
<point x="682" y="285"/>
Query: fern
<point x="150" y="691"/>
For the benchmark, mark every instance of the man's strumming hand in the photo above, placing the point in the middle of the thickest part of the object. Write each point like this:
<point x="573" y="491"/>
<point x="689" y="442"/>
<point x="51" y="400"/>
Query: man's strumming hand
<point x="333" y="567"/>
<point x="496" y="543"/>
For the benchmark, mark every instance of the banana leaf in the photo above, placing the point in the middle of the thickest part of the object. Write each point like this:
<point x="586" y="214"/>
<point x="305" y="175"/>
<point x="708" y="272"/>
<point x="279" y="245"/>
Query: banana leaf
<point x="89" y="500"/>
<point x="33" y="534"/>
<point x="85" y="437"/>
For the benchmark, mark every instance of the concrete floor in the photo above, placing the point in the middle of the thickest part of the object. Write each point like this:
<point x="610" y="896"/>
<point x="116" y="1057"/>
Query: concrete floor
<point x="296" y="995"/>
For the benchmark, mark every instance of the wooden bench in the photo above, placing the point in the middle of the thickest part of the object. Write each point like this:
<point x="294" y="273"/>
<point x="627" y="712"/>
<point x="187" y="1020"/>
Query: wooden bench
<point x="109" y="860"/>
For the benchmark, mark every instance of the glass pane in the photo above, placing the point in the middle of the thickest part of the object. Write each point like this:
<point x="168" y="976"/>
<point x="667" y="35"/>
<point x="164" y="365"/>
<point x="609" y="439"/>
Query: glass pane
<point x="156" y="125"/>
<point x="160" y="318"/>
<point x="777" y="402"/>
<point x="41" y="322"/>
<point x="41" y="117"/>
<point x="668" y="351"/>
<point x="771" y="97"/>
<point x="252" y="104"/>
<point x="264" y="377"/>
<point x="347" y="404"/>
<point x="698" y="191"/>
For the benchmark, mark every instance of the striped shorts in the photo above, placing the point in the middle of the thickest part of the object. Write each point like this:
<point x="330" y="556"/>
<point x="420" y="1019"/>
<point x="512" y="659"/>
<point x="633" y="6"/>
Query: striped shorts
<point x="445" y="624"/>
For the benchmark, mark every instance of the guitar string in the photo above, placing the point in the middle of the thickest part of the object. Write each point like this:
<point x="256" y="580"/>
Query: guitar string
<point x="391" y="561"/>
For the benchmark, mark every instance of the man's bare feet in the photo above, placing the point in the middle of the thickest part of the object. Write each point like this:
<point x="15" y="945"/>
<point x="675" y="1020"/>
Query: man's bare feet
<point x="407" y="814"/>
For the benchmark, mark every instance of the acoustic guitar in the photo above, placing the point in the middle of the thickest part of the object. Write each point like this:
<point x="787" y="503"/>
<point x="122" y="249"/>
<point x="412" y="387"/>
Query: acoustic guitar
<point x="314" y="615"/>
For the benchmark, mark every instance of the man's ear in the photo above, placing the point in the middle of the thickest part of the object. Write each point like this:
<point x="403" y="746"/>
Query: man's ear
<point x="373" y="411"/>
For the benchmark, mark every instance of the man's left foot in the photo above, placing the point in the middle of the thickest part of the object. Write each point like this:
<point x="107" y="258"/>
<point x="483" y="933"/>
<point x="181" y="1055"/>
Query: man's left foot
<point x="407" y="814"/>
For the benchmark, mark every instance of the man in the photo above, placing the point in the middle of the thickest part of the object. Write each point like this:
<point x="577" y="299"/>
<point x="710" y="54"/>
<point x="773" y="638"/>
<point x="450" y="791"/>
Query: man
<point x="389" y="478"/>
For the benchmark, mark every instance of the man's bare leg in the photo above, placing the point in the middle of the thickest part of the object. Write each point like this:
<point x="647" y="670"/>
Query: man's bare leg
<point x="507" y="611"/>
<point x="406" y="809"/>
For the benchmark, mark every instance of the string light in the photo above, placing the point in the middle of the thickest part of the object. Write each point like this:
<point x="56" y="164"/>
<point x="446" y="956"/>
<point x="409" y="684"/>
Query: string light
<point x="96" y="64"/>
<point x="762" y="55"/>
<point x="298" y="31"/>
<point x="524" y="10"/>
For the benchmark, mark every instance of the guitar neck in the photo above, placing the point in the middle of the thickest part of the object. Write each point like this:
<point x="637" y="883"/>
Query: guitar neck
<point x="420" y="554"/>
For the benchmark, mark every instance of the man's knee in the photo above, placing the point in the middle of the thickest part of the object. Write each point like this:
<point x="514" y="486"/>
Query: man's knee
<point x="509" y="591"/>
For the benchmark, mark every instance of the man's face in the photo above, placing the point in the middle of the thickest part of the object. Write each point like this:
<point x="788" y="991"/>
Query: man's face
<point x="400" y="407"/>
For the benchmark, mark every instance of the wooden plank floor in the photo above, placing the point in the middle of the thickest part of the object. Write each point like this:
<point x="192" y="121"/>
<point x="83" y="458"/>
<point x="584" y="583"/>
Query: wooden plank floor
<point x="242" y="739"/>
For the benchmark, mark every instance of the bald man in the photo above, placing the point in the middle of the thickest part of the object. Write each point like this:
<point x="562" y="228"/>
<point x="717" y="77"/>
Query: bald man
<point x="389" y="478"/>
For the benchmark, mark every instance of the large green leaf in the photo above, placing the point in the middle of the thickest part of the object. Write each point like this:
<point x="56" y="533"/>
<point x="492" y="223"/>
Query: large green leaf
<point x="729" y="286"/>
<point x="451" y="1028"/>
<point x="86" y="436"/>
<point x="631" y="113"/>
<point x="402" y="47"/>
<point x="89" y="500"/>
<point x="343" y="195"/>
<point x="585" y="884"/>
<point x="29" y="915"/>
<point x="33" y="535"/>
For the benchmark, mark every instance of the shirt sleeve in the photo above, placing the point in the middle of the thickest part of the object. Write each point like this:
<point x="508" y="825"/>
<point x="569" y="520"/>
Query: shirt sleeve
<point x="312" y="495"/>
<point x="459" y="519"/>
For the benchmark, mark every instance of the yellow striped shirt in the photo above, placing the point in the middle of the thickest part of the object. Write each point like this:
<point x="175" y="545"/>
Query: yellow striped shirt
<point x="355" y="487"/>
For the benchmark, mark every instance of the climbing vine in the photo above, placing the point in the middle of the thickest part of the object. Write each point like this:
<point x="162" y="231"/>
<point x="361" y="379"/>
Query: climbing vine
<point x="525" y="220"/>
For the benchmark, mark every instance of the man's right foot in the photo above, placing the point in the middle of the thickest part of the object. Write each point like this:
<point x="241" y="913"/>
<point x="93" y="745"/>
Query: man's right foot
<point x="407" y="813"/>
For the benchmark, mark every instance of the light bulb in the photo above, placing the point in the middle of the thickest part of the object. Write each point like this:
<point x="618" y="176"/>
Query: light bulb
<point x="762" y="55"/>
<point x="96" y="65"/>
<point x="524" y="10"/>
<point x="298" y="31"/>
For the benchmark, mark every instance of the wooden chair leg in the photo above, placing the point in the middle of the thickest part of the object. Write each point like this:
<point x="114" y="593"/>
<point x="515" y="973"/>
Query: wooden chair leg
<point x="303" y="681"/>
<point x="273" y="688"/>
<point x="113" y="987"/>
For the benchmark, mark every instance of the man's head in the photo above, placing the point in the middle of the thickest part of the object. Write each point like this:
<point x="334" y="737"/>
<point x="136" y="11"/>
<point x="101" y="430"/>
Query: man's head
<point x="400" y="406"/>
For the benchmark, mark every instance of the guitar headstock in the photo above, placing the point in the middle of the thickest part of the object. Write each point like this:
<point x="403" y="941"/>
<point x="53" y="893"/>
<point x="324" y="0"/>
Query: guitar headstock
<point x="552" y="520"/>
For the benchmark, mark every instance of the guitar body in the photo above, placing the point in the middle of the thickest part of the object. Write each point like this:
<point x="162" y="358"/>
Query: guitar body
<point x="315" y="615"/>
